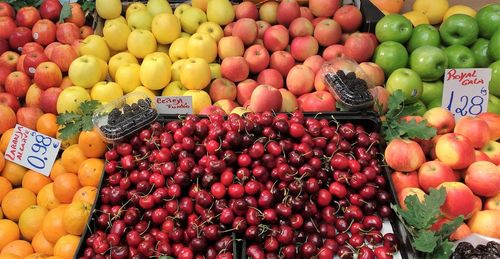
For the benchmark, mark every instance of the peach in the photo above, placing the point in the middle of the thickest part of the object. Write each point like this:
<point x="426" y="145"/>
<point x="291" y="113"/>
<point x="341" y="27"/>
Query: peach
<point x="235" y="69"/>
<point x="407" y="192"/>
<point x="441" y="119"/>
<point x="459" y="200"/>
<point x="246" y="30"/>
<point x="493" y="121"/>
<point x="222" y="88"/>
<point x="8" y="118"/>
<point x="287" y="11"/>
<point x="404" y="155"/>
<point x="257" y="58"/>
<point x="475" y="129"/>
<point x="301" y="27"/>
<point x="270" y="77"/>
<point x="455" y="150"/>
<point x="486" y="223"/>
<point x="282" y="61"/>
<point x="244" y="90"/>
<point x="483" y="178"/>
<point x="327" y="32"/>
<point x="433" y="173"/>
<point x="289" y="103"/>
<point x="314" y="63"/>
<point x="300" y="80"/>
<point x="492" y="150"/>
<point x="304" y="47"/>
<point x="265" y="98"/>
<point x="401" y="180"/>
<point x="28" y="116"/>
<point x="334" y="51"/>
<point x="276" y="38"/>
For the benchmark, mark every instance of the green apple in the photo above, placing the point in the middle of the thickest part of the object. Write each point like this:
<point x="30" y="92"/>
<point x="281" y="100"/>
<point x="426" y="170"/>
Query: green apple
<point x="429" y="62"/>
<point x="494" y="104"/>
<point x="431" y="91"/>
<point x="494" y="46"/>
<point x="480" y="51"/>
<point x="393" y="27"/>
<point x="488" y="19"/>
<point x="435" y="103"/>
<point x="423" y="35"/>
<point x="460" y="56"/>
<point x="406" y="80"/>
<point x="495" y="78"/>
<point x="191" y="19"/>
<point x="459" y="29"/>
<point x="390" y="55"/>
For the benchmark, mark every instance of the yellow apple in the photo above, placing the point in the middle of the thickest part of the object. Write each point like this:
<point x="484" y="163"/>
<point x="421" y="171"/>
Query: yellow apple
<point x="116" y="35"/>
<point x="163" y="48"/>
<point x="128" y="76"/>
<point x="191" y="19"/>
<point x="185" y="35"/>
<point x="85" y="71"/>
<point x="140" y="19"/>
<point x="176" y="69"/>
<point x="158" y="6"/>
<point x="220" y="11"/>
<point x="70" y="98"/>
<point x="215" y="70"/>
<point x="106" y="91"/>
<point x="151" y="94"/>
<point x="166" y="22"/>
<point x="195" y="74"/>
<point x="108" y="9"/>
<point x="117" y="19"/>
<point x="103" y="67"/>
<point x="213" y="29"/>
<point x="178" y="49"/>
<point x="119" y="59"/>
<point x="201" y="99"/>
<point x="134" y="7"/>
<point x="155" y="71"/>
<point x="94" y="45"/>
<point x="175" y="88"/>
<point x="202" y="4"/>
<point x="141" y="43"/>
<point x="202" y="45"/>
<point x="241" y="110"/>
<point x="179" y="10"/>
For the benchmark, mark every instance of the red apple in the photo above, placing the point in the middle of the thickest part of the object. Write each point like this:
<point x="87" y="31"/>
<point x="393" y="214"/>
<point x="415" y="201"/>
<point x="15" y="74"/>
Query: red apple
<point x="327" y="32"/>
<point x="475" y="129"/>
<point x="4" y="46"/>
<point x="282" y="61"/>
<point x="4" y="72"/>
<point x="493" y="121"/>
<point x="288" y="10"/>
<point x="318" y="101"/>
<point x="483" y="178"/>
<point x="27" y="16"/>
<point x="7" y="10"/>
<point x="306" y="13"/>
<point x="441" y="119"/>
<point x="404" y="155"/>
<point x="10" y="100"/>
<point x="32" y="60"/>
<point x="455" y="150"/>
<point x="244" y="90"/>
<point x="212" y="109"/>
<point x="359" y="47"/>
<point x="372" y="38"/>
<point x="270" y="77"/>
<point x="324" y="8"/>
<point x="407" y="192"/>
<point x="33" y="96"/>
<point x="301" y="27"/>
<point x="401" y="180"/>
<point x="44" y="32"/>
<point x="317" y="20"/>
<point x="50" y="48"/>
<point x="230" y="46"/>
<point x="246" y="9"/>
<point x="262" y="26"/>
<point x="8" y="26"/>
<point x="228" y="29"/>
<point x="304" y="47"/>
<point x="9" y="60"/>
<point x="48" y="102"/>
<point x="226" y="105"/>
<point x="28" y="116"/>
<point x="19" y="37"/>
<point x="257" y="58"/>
<point x="246" y="30"/>
<point x="17" y="83"/>
<point x="433" y="173"/>
<point x="31" y="47"/>
<point x="47" y="75"/>
<point x="349" y="17"/>
<point x="77" y="15"/>
<point x="300" y="80"/>
<point x="480" y="156"/>
<point x="314" y="63"/>
<point x="67" y="33"/>
<point x="459" y="200"/>
<point x="334" y="51"/>
<point x="276" y="38"/>
<point x="8" y="120"/>
<point x="234" y="68"/>
<point x="289" y="103"/>
<point x="265" y="98"/>
<point x="492" y="150"/>
<point x="50" y="9"/>
<point x="222" y="88"/>
<point x="374" y="72"/>
<point x="20" y="63"/>
<point x="492" y="203"/>
<point x="86" y="31"/>
<point x="63" y="56"/>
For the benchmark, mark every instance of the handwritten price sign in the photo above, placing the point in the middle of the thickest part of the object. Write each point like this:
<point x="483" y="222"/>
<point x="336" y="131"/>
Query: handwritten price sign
<point x="174" y="104"/>
<point x="465" y="91"/>
<point x="32" y="150"/>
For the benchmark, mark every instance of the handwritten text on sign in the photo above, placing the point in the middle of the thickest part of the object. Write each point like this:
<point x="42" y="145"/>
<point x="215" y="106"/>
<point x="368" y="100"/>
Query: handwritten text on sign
<point x="174" y="104"/>
<point x="32" y="150"/>
<point x="465" y="91"/>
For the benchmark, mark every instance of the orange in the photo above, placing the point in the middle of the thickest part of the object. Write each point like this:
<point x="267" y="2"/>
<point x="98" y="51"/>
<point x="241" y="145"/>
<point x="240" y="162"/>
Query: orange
<point x="92" y="144"/>
<point x="20" y="248"/>
<point x="35" y="181"/>
<point x="52" y="225"/>
<point x="65" y="187"/>
<point x="66" y="246"/>
<point x="90" y="172"/>
<point x="75" y="217"/>
<point x="30" y="221"/>
<point x="8" y="232"/>
<point x="54" y="257"/>
<point x="41" y="244"/>
<point x="86" y="194"/>
<point x="4" y="140"/>
<point x="57" y="169"/>
<point x="72" y="158"/>
<point x="46" y="197"/>
<point x="14" y="173"/>
<point x="389" y="6"/>
<point x="47" y="124"/>
<point x="5" y="187"/>
<point x="9" y="256"/>
<point x="35" y="256"/>
<point x="16" y="201"/>
<point x="2" y="161"/>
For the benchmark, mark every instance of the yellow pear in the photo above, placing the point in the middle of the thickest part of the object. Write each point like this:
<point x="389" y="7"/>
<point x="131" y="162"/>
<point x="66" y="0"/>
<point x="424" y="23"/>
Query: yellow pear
<point x="191" y="19"/>
<point x="108" y="9"/>
<point x="433" y="9"/>
<point x="179" y="10"/>
<point x="116" y="35"/>
<point x="202" y="45"/>
<point x="106" y="91"/>
<point x="202" y="4"/>
<point x="163" y="23"/>
<point x="201" y="100"/>
<point x="118" y="19"/>
<point x="128" y="77"/>
<point x="134" y="7"/>
<point x="147" y="92"/>
<point x="141" y="43"/>
<point x="120" y="59"/>
<point x="159" y="6"/>
<point x="175" y="88"/>
<point x="176" y="69"/>
<point x="155" y="71"/>
<point x="94" y="45"/>
<point x="85" y="71"/>
<point x="220" y="11"/>
<point x="140" y="19"/>
<point x="70" y="98"/>
<point x="195" y="74"/>
<point x="178" y="49"/>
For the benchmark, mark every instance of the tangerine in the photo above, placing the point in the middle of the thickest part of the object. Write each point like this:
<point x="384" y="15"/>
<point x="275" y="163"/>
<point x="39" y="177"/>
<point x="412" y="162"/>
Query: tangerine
<point x="14" y="173"/>
<point x="30" y="221"/>
<point x="86" y="194"/>
<point x="16" y="201"/>
<point x="52" y="226"/>
<point x="46" y="197"/>
<point x="389" y="6"/>
<point x="57" y="169"/>
<point x="35" y="181"/>
<point x="75" y="217"/>
<point x="92" y="144"/>
<point x="4" y="140"/>
<point x="47" y="124"/>
<point x="41" y="244"/>
<point x="65" y="187"/>
<point x="66" y="246"/>
<point x="35" y="256"/>
<point x="21" y="248"/>
<point x="90" y="172"/>
<point x="72" y="158"/>
<point x="2" y="161"/>
<point x="8" y="232"/>
<point x="5" y="187"/>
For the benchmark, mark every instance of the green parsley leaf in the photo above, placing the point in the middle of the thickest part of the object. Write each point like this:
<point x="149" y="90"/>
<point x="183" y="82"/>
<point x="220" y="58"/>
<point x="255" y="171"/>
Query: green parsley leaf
<point x="449" y="227"/>
<point x="421" y="215"/>
<point x="65" y="11"/>
<point x="89" y="107"/>
<point x="443" y="251"/>
<point x="426" y="241"/>
<point x="414" y="129"/>
<point x="73" y="123"/>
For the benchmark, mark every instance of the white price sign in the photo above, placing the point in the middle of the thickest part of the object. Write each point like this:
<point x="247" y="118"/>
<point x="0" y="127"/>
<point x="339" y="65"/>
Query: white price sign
<point x="465" y="91"/>
<point x="32" y="150"/>
<point x="174" y="104"/>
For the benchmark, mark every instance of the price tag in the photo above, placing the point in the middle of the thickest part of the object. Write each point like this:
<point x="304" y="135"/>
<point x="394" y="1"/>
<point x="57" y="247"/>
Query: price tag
<point x="174" y="104"/>
<point x="465" y="91"/>
<point x="32" y="150"/>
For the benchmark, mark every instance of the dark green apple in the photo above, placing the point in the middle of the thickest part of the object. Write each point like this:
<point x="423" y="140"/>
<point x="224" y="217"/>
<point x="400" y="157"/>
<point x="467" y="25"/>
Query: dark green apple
<point x="494" y="46"/>
<point x="423" y="35"/>
<point x="434" y="103"/>
<point x="494" y="104"/>
<point x="407" y="81"/>
<point x="390" y="55"/>
<point x="393" y="27"/>
<point x="494" y="86"/>
<point x="459" y="29"/>
<point x="480" y="51"/>
<point x="431" y="91"/>
<point x="429" y="62"/>
<point x="488" y="19"/>
<point x="460" y="56"/>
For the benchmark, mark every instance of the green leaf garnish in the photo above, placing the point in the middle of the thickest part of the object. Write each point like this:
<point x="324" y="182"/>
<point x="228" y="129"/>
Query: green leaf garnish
<point x="73" y="123"/>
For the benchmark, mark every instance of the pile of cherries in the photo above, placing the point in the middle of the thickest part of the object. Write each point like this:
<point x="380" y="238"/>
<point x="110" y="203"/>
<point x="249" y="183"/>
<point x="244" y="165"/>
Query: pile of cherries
<point x="289" y="186"/>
